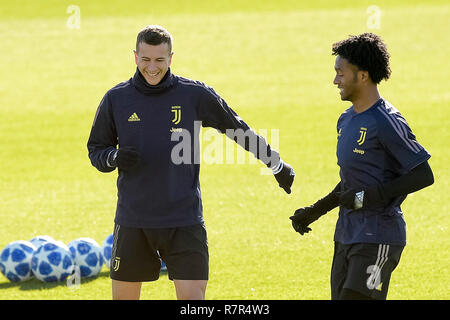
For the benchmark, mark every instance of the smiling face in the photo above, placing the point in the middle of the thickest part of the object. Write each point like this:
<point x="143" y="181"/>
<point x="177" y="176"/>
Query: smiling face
<point x="346" y="79"/>
<point x="153" y="61"/>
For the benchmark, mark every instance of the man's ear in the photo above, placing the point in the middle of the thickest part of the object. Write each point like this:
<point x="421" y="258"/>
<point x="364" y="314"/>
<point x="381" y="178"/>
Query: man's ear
<point x="364" y="75"/>
<point x="135" y="56"/>
<point x="170" y="58"/>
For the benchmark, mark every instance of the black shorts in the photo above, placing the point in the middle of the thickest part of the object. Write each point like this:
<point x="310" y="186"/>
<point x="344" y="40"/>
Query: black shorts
<point x="136" y="253"/>
<point x="363" y="267"/>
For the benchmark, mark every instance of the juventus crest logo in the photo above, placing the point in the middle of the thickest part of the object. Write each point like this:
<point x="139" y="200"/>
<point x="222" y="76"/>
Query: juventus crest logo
<point x="116" y="264"/>
<point x="362" y="136"/>
<point x="177" y="114"/>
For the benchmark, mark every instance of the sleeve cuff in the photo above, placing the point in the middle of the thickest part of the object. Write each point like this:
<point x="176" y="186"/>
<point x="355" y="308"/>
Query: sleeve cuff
<point x="277" y="167"/>
<point x="108" y="157"/>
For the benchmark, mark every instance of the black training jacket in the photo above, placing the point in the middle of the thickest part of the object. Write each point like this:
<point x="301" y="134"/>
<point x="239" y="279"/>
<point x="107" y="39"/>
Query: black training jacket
<point x="162" y="122"/>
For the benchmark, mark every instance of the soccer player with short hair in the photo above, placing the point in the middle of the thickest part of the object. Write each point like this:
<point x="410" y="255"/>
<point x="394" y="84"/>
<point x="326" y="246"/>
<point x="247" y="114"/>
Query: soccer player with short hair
<point x="159" y="209"/>
<point x="380" y="163"/>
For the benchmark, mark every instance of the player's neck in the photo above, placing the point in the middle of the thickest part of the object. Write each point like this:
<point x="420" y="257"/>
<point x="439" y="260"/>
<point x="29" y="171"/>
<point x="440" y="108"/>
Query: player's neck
<point x="366" y="100"/>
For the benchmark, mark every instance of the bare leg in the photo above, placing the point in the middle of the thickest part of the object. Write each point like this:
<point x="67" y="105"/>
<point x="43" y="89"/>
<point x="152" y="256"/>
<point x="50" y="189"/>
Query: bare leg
<point x="124" y="290"/>
<point x="190" y="289"/>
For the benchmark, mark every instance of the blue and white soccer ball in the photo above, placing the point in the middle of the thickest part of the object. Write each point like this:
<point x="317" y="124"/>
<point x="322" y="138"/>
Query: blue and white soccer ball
<point x="87" y="255"/>
<point x="163" y="266"/>
<point x="39" y="240"/>
<point x="107" y="249"/>
<point x="15" y="260"/>
<point x="52" y="262"/>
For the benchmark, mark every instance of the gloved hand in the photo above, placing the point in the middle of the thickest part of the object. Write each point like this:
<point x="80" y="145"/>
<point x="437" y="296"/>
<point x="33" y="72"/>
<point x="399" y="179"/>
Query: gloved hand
<point x="380" y="195"/>
<point x="284" y="175"/>
<point x="347" y="198"/>
<point x="303" y="217"/>
<point x="124" y="158"/>
<point x="370" y="197"/>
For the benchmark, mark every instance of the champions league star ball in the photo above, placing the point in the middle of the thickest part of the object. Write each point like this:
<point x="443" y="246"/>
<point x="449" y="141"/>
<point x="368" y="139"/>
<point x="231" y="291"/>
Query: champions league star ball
<point x="52" y="262"/>
<point x="87" y="255"/>
<point x="15" y="260"/>
<point x="39" y="240"/>
<point x="107" y="249"/>
<point x="163" y="266"/>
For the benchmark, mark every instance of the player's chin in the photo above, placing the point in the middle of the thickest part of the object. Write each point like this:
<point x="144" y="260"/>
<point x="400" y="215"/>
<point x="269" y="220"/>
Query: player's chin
<point x="344" y="96"/>
<point x="153" y="80"/>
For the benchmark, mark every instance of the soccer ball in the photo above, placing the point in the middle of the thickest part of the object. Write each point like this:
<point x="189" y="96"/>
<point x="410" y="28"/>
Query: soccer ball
<point x="107" y="249"/>
<point x="15" y="260"/>
<point x="39" y="240"/>
<point x="52" y="262"/>
<point x="163" y="266"/>
<point x="87" y="255"/>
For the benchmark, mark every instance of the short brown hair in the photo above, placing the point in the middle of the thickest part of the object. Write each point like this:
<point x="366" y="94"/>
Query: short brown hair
<point x="154" y="35"/>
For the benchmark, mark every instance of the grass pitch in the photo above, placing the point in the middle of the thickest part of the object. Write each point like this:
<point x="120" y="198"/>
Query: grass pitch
<point x="271" y="61"/>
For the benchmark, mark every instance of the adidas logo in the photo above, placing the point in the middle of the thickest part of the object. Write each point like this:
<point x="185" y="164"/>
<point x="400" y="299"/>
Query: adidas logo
<point x="134" y="117"/>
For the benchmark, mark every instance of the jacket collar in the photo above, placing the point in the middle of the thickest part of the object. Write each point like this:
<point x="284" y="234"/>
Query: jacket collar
<point x="142" y="85"/>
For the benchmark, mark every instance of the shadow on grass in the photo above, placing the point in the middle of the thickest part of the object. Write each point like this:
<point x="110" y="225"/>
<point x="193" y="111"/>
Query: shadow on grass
<point x="35" y="284"/>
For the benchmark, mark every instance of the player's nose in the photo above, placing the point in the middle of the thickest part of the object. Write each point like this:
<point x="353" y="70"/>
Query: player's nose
<point x="335" y="81"/>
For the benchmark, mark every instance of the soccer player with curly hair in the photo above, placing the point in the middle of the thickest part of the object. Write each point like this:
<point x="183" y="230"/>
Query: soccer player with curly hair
<point x="380" y="163"/>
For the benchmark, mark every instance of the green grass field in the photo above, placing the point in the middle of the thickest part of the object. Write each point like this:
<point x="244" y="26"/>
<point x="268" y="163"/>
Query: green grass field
<point x="271" y="61"/>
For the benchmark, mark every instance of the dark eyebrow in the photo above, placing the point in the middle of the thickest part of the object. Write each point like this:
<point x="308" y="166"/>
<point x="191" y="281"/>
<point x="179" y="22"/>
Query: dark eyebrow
<point x="144" y="57"/>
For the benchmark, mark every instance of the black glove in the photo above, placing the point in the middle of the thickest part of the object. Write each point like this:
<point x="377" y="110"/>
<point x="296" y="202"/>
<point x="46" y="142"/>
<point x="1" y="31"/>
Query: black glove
<point x="370" y="197"/>
<point x="285" y="177"/>
<point x="303" y="217"/>
<point x="381" y="195"/>
<point x="347" y="198"/>
<point x="124" y="158"/>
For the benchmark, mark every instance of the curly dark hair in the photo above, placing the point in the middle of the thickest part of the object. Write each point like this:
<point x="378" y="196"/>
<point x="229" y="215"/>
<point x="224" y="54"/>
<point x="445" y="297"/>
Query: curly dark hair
<point x="366" y="51"/>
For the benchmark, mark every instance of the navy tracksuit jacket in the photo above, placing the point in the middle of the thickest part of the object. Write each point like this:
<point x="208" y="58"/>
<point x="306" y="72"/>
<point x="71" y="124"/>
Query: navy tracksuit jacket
<point x="158" y="192"/>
